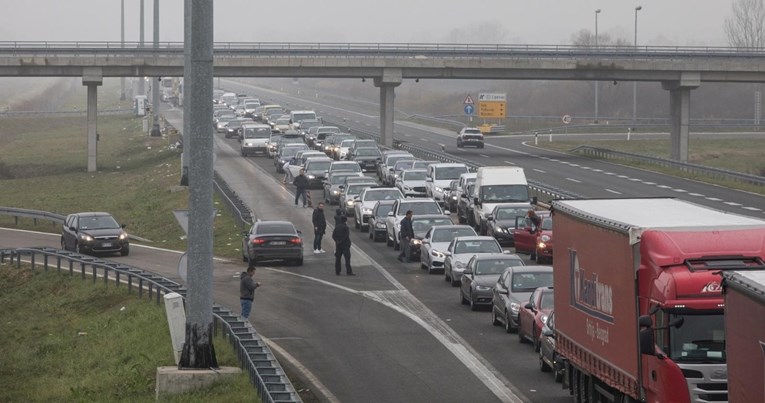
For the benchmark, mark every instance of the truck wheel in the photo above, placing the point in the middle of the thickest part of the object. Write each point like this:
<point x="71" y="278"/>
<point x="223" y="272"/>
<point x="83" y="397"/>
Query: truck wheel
<point x="542" y="364"/>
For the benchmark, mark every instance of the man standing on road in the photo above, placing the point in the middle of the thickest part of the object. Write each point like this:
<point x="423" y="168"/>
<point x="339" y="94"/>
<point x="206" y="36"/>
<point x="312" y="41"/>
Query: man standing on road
<point x="339" y="214"/>
<point x="301" y="184"/>
<point x="247" y="288"/>
<point x="406" y="235"/>
<point x="342" y="237"/>
<point x="319" y="227"/>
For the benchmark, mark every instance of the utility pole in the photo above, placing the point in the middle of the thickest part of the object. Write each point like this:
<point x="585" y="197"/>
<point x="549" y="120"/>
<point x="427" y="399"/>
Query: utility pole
<point x="198" y="350"/>
<point x="597" y="83"/>
<point x="122" y="44"/>
<point x="186" y="131"/>
<point x="634" y="83"/>
<point x="141" y="81"/>
<point x="156" y="88"/>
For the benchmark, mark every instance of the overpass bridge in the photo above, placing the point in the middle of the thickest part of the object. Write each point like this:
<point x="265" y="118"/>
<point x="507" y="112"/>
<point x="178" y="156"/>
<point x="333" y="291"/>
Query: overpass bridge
<point x="678" y="69"/>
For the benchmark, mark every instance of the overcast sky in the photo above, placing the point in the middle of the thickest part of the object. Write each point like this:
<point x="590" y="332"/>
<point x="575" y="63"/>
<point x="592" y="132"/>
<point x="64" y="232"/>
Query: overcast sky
<point x="666" y="22"/>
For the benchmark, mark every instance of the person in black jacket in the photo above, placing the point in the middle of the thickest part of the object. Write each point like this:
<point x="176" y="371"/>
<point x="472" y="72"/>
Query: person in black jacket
<point x="319" y="227"/>
<point x="406" y="235"/>
<point x="301" y="184"/>
<point x="247" y="288"/>
<point x="339" y="214"/>
<point x="342" y="237"/>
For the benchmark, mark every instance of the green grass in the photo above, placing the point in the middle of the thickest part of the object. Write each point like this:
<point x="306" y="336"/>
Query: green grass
<point x="65" y="339"/>
<point x="741" y="155"/>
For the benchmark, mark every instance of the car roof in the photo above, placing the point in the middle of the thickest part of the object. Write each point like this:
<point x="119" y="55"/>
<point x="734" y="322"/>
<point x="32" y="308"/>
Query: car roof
<point x="530" y="269"/>
<point x="414" y="170"/>
<point x="474" y="238"/>
<point x="92" y="214"/>
<point x="494" y="256"/>
<point x="428" y="200"/>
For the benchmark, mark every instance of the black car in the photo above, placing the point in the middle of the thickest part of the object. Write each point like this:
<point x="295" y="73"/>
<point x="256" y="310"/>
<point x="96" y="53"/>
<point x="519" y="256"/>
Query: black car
<point x="501" y="222"/>
<point x="549" y="358"/>
<point x="377" y="227"/>
<point x="421" y="224"/>
<point x="272" y="240"/>
<point x="367" y="158"/>
<point x="94" y="232"/>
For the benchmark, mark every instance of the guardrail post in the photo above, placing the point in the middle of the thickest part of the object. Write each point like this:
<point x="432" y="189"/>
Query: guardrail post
<point x="117" y="278"/>
<point x="82" y="270"/>
<point x="45" y="261"/>
<point x="130" y="282"/>
<point x="106" y="275"/>
<point x="95" y="270"/>
<point x="71" y="267"/>
<point x="140" y="287"/>
<point x="32" y="259"/>
<point x="150" y="287"/>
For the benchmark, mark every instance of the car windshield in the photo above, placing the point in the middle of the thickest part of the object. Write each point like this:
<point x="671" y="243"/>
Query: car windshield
<point x="504" y="193"/>
<point x="257" y="132"/>
<point x="477" y="246"/>
<point x="547" y="224"/>
<point x="511" y="213"/>
<point x="98" y="222"/>
<point x="235" y="123"/>
<point x="420" y="208"/>
<point x="414" y="176"/>
<point x="346" y="167"/>
<point x="274" y="228"/>
<point x="368" y="152"/>
<point x="495" y="266"/>
<point x="700" y="339"/>
<point x="443" y="173"/>
<point x="338" y="179"/>
<point x="318" y="166"/>
<point x="291" y="151"/>
<point x="421" y="164"/>
<point x="383" y="194"/>
<point x="283" y="121"/>
<point x="401" y="165"/>
<point x="356" y="189"/>
<point x="393" y="159"/>
<point x="422" y="225"/>
<point x="347" y="143"/>
<point x="303" y="116"/>
<point x="251" y="105"/>
<point x="530" y="281"/>
<point x="447" y="234"/>
<point x="547" y="301"/>
<point x="383" y="210"/>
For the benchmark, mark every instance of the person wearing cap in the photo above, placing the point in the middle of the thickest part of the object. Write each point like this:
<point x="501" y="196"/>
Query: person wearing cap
<point x="342" y="237"/>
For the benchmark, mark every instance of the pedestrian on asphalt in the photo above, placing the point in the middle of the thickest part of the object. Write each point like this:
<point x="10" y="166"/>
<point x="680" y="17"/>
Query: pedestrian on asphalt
<point x="286" y="169"/>
<point x="339" y="213"/>
<point x="406" y="235"/>
<point x="342" y="237"/>
<point x="319" y="227"/>
<point x="534" y="218"/>
<point x="301" y="184"/>
<point x="247" y="288"/>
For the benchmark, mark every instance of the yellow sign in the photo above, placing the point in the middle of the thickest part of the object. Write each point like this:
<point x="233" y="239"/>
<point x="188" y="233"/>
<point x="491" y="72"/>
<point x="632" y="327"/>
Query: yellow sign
<point x="492" y="109"/>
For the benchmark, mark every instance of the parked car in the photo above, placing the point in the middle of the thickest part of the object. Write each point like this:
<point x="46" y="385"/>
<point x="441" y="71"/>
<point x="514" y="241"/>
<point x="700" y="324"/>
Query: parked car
<point x="418" y="206"/>
<point x="389" y="158"/>
<point x="318" y="134"/>
<point x="367" y="158"/>
<point x="94" y="232"/>
<point x="286" y="154"/>
<point x="282" y="124"/>
<point x="376" y="223"/>
<point x="345" y="166"/>
<point x="272" y="240"/>
<point x="342" y="152"/>
<point x="366" y="202"/>
<point x="362" y="143"/>
<point x="450" y="195"/>
<point x="549" y="358"/>
<point x="534" y="314"/>
<point x="316" y="171"/>
<point x="435" y="243"/>
<point x="469" y="137"/>
<point x="307" y="124"/>
<point x="532" y="240"/>
<point x="501" y="222"/>
<point x="480" y="276"/>
<point x="412" y="182"/>
<point x="513" y="290"/>
<point x="465" y="206"/>
<point x="332" y="185"/>
<point x="459" y="252"/>
<point x="350" y="194"/>
<point x="421" y="224"/>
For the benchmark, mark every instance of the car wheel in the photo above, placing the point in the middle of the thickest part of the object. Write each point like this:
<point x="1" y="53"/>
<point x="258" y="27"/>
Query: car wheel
<point x="557" y="369"/>
<point x="494" y="320"/>
<point x="125" y="251"/>
<point x="299" y="262"/>
<point x="542" y="364"/>
<point x="473" y="305"/>
<point x="508" y="326"/>
<point x="463" y="300"/>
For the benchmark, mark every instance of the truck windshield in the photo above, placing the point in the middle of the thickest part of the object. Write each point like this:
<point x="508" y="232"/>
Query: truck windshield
<point x="504" y="193"/>
<point x="700" y="339"/>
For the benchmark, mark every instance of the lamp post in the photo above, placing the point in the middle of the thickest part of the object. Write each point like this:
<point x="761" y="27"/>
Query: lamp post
<point x="634" y="83"/>
<point x="156" y="86"/>
<point x="597" y="86"/>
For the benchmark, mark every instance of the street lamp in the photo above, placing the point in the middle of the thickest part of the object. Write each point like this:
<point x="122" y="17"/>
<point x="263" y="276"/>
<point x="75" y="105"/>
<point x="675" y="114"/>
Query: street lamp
<point x="596" y="81"/>
<point x="634" y="83"/>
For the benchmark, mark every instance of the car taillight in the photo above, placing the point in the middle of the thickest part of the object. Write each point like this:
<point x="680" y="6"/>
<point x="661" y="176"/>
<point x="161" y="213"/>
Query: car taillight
<point x="296" y="240"/>
<point x="258" y="241"/>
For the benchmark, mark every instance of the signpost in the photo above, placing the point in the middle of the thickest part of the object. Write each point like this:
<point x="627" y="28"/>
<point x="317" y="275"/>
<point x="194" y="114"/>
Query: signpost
<point x="566" y="119"/>
<point x="492" y="105"/>
<point x="469" y="108"/>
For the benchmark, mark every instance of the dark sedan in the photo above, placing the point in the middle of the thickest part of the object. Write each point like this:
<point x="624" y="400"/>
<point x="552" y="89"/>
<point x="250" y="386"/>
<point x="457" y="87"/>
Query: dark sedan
<point x="367" y="158"/>
<point x="94" y="233"/>
<point x="480" y="276"/>
<point x="272" y="240"/>
<point x="501" y="222"/>
<point x="549" y="359"/>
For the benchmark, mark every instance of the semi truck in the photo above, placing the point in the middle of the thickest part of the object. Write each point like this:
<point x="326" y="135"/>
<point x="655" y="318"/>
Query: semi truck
<point x="745" y="332"/>
<point x="639" y="310"/>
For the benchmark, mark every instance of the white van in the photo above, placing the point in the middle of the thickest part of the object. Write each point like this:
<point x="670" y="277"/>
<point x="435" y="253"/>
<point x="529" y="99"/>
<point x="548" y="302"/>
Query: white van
<point x="255" y="138"/>
<point x="297" y="116"/>
<point x="440" y="176"/>
<point x="495" y="185"/>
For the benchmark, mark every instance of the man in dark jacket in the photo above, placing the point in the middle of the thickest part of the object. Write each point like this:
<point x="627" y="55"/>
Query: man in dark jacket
<point x="342" y="237"/>
<point x="339" y="214"/>
<point x="319" y="227"/>
<point x="301" y="184"/>
<point x="406" y="235"/>
<point x="247" y="288"/>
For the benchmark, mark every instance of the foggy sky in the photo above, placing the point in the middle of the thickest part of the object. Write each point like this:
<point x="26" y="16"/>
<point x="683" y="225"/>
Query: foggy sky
<point x="660" y="22"/>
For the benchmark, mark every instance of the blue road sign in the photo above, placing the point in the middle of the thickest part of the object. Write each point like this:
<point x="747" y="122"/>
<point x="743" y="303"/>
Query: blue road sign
<point x="469" y="109"/>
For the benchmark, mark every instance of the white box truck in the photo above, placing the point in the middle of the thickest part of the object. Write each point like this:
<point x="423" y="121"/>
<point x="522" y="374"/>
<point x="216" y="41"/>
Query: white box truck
<point x="498" y="185"/>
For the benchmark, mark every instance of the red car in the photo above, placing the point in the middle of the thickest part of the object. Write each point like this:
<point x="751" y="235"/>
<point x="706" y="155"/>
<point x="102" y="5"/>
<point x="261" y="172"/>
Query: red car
<point x="536" y="242"/>
<point x="534" y="314"/>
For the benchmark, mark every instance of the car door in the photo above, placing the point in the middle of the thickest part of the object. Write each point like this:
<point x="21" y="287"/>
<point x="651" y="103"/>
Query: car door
<point x="466" y="280"/>
<point x="67" y="235"/>
<point x="527" y="314"/>
<point x="497" y="298"/>
<point x="426" y="246"/>
<point x="390" y="221"/>
<point x="524" y="236"/>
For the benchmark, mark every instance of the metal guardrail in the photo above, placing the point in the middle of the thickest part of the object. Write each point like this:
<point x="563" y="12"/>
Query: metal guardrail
<point x="254" y="356"/>
<point x="235" y="205"/>
<point x="101" y="112"/>
<point x="606" y="153"/>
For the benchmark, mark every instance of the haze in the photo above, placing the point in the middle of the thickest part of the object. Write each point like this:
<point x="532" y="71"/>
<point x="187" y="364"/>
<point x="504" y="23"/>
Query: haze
<point x="660" y="22"/>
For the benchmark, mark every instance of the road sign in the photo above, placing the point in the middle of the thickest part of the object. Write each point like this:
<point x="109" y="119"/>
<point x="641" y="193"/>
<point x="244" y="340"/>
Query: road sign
<point x="566" y="119"/>
<point x="492" y="97"/>
<point x="492" y="109"/>
<point x="468" y="101"/>
<point x="469" y="109"/>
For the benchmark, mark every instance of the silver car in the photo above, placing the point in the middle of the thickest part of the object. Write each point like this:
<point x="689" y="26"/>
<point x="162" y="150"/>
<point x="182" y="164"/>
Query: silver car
<point x="459" y="252"/>
<point x="367" y="199"/>
<point x="436" y="242"/>
<point x="513" y="289"/>
<point x="480" y="276"/>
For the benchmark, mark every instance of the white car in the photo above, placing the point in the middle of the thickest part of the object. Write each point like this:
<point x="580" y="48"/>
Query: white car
<point x="366" y="203"/>
<point x="459" y="252"/>
<point x="345" y="145"/>
<point x="400" y="207"/>
<point x="255" y="139"/>
<point x="440" y="176"/>
<point x="346" y="166"/>
<point x="412" y="182"/>
<point x="437" y="241"/>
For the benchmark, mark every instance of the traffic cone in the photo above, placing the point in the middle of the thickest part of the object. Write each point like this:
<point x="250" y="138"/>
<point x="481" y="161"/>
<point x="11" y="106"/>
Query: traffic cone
<point x="308" y="198"/>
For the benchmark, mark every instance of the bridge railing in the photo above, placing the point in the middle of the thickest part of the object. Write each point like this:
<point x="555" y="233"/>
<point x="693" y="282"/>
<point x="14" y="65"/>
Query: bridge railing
<point x="255" y="357"/>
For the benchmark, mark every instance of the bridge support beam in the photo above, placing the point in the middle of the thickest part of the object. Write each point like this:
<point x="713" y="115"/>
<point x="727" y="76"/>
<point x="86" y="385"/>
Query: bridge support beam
<point x="680" y="112"/>
<point x="92" y="78"/>
<point x="390" y="79"/>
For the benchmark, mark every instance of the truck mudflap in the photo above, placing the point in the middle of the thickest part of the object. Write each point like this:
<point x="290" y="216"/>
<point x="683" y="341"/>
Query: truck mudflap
<point x="601" y="369"/>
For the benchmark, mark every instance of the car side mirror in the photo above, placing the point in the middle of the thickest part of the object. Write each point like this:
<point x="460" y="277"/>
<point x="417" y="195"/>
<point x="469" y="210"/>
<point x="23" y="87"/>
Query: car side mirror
<point x="447" y="212"/>
<point x="300" y="232"/>
<point x="390" y="214"/>
<point x="468" y="271"/>
<point x="425" y="242"/>
<point x="123" y="226"/>
<point x="504" y="292"/>
<point x="72" y="229"/>
<point x="489" y="218"/>
<point x="529" y="305"/>
<point x="430" y="180"/>
<point x="547" y="332"/>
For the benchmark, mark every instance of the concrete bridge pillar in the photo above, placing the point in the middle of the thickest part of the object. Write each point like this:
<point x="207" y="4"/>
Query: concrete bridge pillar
<point x="92" y="78"/>
<point x="390" y="79"/>
<point x="680" y="112"/>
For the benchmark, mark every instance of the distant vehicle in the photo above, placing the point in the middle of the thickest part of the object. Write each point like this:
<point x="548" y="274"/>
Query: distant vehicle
<point x="470" y="137"/>
<point x="436" y="242"/>
<point x="317" y="134"/>
<point x="350" y="194"/>
<point x="459" y="252"/>
<point x="549" y="358"/>
<point x="536" y="241"/>
<point x="332" y="185"/>
<point x="367" y="158"/>
<point x="94" y="232"/>
<point x="418" y="206"/>
<point x="376" y="223"/>
<point x="480" y="276"/>
<point x="412" y="182"/>
<point x="272" y="240"/>
<point x="229" y="99"/>
<point x="286" y="153"/>
<point x="316" y="171"/>
<point x="367" y="200"/>
<point x="501" y="223"/>
<point x="297" y="117"/>
<point x="421" y="224"/>
<point x="440" y="176"/>
<point x="495" y="185"/>
<point x="513" y="290"/>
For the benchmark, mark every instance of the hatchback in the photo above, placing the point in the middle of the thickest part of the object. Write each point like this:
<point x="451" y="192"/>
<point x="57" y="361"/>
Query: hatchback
<point x="94" y="232"/>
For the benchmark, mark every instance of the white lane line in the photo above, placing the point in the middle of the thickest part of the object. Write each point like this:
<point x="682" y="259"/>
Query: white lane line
<point x="484" y="155"/>
<point x="540" y="171"/>
<point x="713" y="199"/>
<point x="573" y="180"/>
<point x="622" y="176"/>
<point x="751" y="208"/>
<point x="680" y="190"/>
<point x="636" y="180"/>
<point x="587" y="168"/>
<point x="696" y="194"/>
<point x="597" y="170"/>
<point x="649" y="183"/>
<point x="511" y="163"/>
<point x="573" y="165"/>
<point x="613" y="191"/>
<point x="554" y="160"/>
<point x="663" y="187"/>
<point x="609" y="173"/>
<point x="732" y="203"/>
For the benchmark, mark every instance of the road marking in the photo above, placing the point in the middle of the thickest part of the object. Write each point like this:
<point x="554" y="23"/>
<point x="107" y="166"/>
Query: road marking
<point x="609" y="173"/>
<point x="613" y="191"/>
<point x="663" y="187"/>
<point x="587" y="168"/>
<point x="751" y="208"/>
<point x="732" y="203"/>
<point x="622" y="176"/>
<point x="484" y="155"/>
<point x="696" y="194"/>
<point x="302" y="369"/>
<point x="597" y="170"/>
<point x="649" y="183"/>
<point x="573" y="180"/>
<point x="713" y="199"/>
<point x="680" y="190"/>
<point x="511" y="163"/>
<point x="636" y="180"/>
<point x="540" y="171"/>
<point x="573" y="165"/>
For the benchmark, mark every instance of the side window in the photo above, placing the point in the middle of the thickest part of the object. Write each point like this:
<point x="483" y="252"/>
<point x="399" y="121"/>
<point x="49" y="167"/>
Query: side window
<point x="508" y="277"/>
<point x="533" y="297"/>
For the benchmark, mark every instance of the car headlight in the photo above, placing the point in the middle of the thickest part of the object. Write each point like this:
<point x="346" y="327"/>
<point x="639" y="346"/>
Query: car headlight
<point x="437" y="254"/>
<point x="335" y="192"/>
<point x="438" y="189"/>
<point x="454" y="197"/>
<point x="544" y="319"/>
<point x="366" y="210"/>
<point x="515" y="307"/>
<point x="249" y="144"/>
<point x="416" y="242"/>
<point x="380" y="225"/>
<point x="545" y="238"/>
<point x="541" y="245"/>
<point x="482" y="288"/>
<point x="86" y="237"/>
<point x="459" y="265"/>
<point x="499" y="229"/>
<point x="349" y="202"/>
<point x="123" y="236"/>
<point x="407" y="188"/>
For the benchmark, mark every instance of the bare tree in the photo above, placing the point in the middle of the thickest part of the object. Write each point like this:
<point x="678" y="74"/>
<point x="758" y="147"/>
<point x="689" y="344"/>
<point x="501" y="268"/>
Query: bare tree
<point x="746" y="26"/>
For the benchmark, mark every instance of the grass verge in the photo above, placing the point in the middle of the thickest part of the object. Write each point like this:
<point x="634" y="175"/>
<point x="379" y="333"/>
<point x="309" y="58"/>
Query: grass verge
<point x="71" y="340"/>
